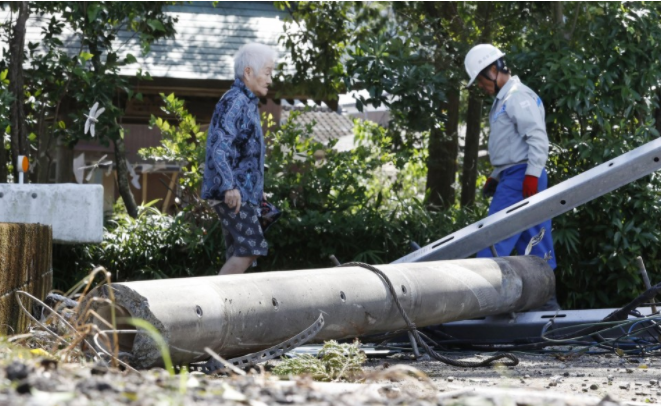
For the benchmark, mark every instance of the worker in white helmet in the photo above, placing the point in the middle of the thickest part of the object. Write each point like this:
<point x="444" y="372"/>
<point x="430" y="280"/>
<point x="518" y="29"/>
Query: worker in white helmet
<point x="518" y="148"/>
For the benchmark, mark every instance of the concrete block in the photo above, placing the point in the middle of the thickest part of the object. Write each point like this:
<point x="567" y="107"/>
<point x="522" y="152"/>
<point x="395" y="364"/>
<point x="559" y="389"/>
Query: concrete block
<point x="75" y="212"/>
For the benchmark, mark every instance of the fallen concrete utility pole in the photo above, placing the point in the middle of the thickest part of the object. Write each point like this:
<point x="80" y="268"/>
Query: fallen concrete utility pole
<point x="543" y="206"/>
<point x="240" y="314"/>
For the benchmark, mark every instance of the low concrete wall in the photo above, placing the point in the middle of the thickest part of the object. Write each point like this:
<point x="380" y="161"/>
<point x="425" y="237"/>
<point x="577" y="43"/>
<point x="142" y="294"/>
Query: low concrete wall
<point x="75" y="212"/>
<point x="25" y="264"/>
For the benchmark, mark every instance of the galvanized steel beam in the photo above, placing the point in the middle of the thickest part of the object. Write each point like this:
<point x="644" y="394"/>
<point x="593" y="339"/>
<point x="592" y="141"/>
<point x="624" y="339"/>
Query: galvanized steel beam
<point x="543" y="206"/>
<point x="241" y="314"/>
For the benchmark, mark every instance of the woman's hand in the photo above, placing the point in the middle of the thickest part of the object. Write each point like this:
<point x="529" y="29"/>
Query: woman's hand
<point x="233" y="200"/>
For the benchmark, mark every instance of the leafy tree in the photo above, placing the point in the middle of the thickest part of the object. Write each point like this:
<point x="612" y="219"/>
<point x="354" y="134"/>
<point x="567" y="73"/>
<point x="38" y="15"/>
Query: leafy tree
<point x="595" y="65"/>
<point x="183" y="142"/>
<point x="409" y="56"/>
<point x="600" y="104"/>
<point x="6" y="99"/>
<point x="19" y="136"/>
<point x="62" y="87"/>
<point x="391" y="53"/>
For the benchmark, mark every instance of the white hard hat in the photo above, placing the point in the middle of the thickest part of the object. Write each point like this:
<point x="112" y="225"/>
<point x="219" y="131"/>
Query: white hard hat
<point x="478" y="58"/>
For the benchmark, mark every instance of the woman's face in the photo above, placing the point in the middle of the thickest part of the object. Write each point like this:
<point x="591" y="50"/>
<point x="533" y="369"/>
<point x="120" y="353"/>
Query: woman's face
<point x="259" y="81"/>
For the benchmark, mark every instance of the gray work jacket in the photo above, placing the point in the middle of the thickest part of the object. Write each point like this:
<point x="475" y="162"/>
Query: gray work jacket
<point x="518" y="130"/>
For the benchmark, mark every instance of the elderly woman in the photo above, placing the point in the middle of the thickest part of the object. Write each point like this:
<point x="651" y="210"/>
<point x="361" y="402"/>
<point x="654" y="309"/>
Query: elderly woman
<point x="234" y="167"/>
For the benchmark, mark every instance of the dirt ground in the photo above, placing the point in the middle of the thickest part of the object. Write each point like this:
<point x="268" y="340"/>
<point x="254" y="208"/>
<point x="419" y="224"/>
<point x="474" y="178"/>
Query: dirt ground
<point x="550" y="376"/>
<point x="548" y="379"/>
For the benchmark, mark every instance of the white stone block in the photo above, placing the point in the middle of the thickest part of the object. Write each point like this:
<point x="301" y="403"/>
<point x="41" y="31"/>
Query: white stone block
<point x="75" y="212"/>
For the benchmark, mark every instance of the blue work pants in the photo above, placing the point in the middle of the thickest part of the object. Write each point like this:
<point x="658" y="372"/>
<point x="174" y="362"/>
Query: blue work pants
<point x="509" y="192"/>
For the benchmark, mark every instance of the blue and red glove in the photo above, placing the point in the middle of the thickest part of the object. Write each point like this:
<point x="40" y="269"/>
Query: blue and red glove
<point x="530" y="185"/>
<point x="489" y="188"/>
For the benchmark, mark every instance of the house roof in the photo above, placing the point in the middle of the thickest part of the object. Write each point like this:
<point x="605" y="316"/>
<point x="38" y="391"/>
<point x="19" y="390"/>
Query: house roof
<point x="328" y="125"/>
<point x="206" y="38"/>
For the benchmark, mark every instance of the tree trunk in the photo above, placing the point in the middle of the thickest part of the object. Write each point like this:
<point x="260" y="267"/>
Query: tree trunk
<point x="64" y="170"/>
<point x="19" y="131"/>
<point x="443" y="144"/>
<point x="474" y="118"/>
<point x="442" y="161"/>
<point x="472" y="144"/>
<point x="123" y="178"/>
<point x="63" y="151"/>
<point x="118" y="141"/>
<point x="43" y="157"/>
<point x="657" y="112"/>
<point x="3" y="162"/>
<point x="558" y="15"/>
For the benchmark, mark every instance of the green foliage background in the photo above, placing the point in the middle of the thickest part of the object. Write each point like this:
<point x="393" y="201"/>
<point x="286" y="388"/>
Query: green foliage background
<point x="342" y="205"/>
<point x="600" y="91"/>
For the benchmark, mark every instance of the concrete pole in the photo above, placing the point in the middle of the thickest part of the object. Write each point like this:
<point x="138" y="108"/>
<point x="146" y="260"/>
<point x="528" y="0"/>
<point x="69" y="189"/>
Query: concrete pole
<point x="241" y="314"/>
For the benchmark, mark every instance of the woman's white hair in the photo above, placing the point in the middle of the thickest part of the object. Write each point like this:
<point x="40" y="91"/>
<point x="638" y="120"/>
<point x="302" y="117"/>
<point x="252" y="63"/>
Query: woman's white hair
<point x="253" y="55"/>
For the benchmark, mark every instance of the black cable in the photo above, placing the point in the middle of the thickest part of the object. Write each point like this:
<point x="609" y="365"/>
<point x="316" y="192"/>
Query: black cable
<point x="513" y="360"/>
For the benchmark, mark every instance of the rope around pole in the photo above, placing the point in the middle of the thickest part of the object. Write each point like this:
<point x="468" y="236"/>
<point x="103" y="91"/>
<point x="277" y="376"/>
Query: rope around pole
<point x="513" y="360"/>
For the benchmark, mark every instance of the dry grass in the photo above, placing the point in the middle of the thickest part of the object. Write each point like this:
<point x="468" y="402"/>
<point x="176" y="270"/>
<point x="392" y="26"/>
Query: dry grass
<point x="66" y="334"/>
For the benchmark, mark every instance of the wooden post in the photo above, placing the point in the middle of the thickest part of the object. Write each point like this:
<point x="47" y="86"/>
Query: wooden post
<point x="168" y="196"/>
<point x="25" y="264"/>
<point x="144" y="188"/>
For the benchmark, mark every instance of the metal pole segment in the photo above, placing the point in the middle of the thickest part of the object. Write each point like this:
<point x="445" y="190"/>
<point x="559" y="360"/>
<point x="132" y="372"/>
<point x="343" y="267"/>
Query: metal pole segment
<point x="240" y="314"/>
<point x="646" y="278"/>
<point x="543" y="206"/>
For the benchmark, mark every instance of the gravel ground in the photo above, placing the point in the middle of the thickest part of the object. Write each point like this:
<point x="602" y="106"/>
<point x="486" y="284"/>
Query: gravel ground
<point x="538" y="380"/>
<point x="627" y="381"/>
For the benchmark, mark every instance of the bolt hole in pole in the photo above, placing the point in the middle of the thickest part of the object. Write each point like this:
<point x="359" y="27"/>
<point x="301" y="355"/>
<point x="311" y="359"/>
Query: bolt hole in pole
<point x="343" y="297"/>
<point x="275" y="303"/>
<point x="517" y="207"/>
<point x="198" y="311"/>
<point x="443" y="242"/>
<point x="610" y="164"/>
<point x="34" y="195"/>
<point x="403" y="289"/>
<point x="563" y="202"/>
<point x="656" y="159"/>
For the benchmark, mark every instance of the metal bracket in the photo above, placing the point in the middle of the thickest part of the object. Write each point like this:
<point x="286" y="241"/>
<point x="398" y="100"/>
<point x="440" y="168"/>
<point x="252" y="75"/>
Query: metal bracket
<point x="213" y="365"/>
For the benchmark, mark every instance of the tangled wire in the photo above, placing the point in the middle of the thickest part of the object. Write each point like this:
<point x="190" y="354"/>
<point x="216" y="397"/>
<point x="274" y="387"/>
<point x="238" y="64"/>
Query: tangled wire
<point x="624" y="332"/>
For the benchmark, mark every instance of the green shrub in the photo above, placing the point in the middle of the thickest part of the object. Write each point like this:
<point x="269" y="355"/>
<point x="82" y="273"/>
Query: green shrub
<point x="345" y="204"/>
<point x="601" y="104"/>
<point x="340" y="203"/>
<point x="151" y="246"/>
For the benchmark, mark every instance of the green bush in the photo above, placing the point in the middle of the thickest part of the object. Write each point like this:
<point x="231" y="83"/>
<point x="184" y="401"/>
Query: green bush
<point x="339" y="203"/>
<point x="600" y="104"/>
<point x="152" y="246"/>
<point x="344" y="204"/>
